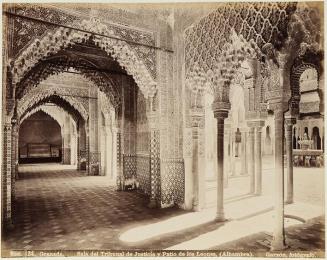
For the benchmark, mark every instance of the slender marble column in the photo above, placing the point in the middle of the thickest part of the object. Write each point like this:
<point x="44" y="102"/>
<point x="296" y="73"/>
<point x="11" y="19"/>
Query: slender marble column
<point x="258" y="161"/>
<point x="251" y="160"/>
<point x="289" y="122"/>
<point x="227" y="156"/>
<point x="278" y="242"/>
<point x="220" y="116"/>
<point x="243" y="153"/>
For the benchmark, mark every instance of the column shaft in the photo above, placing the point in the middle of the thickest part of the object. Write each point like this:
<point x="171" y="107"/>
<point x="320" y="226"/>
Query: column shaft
<point x="226" y="157"/>
<point x="289" y="156"/>
<point x="258" y="162"/>
<point x="278" y="242"/>
<point x="251" y="160"/>
<point x="243" y="155"/>
<point x="220" y="215"/>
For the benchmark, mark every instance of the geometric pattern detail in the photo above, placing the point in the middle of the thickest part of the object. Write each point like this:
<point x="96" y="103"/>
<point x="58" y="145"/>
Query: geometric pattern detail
<point x="129" y="166"/>
<point x="94" y="157"/>
<point x="119" y="160"/>
<point x="69" y="220"/>
<point x="119" y="50"/>
<point x="143" y="173"/>
<point x="6" y="177"/>
<point x="40" y="94"/>
<point x="172" y="181"/>
<point x="25" y="31"/>
<point x="259" y="23"/>
<point x="155" y="165"/>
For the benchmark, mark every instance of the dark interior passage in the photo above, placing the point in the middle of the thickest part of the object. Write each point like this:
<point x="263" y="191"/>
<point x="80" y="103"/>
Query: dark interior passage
<point x="40" y="139"/>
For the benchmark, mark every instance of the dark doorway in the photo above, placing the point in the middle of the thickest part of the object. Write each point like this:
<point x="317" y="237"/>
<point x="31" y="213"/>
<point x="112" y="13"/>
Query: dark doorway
<point x="40" y="139"/>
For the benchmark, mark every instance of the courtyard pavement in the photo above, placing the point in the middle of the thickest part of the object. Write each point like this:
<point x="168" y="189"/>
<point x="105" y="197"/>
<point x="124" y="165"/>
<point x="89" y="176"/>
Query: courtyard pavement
<point x="60" y="208"/>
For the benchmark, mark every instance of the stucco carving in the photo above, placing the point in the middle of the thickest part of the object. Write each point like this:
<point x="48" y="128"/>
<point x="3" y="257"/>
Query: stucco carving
<point x="37" y="95"/>
<point x="62" y="37"/>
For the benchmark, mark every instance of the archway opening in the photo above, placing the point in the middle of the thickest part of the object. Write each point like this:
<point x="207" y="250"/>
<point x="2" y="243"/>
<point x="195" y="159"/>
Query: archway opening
<point x="40" y="139"/>
<point x="316" y="138"/>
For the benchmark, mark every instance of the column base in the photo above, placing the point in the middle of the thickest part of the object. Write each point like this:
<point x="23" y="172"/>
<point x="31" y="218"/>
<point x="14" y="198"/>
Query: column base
<point x="197" y="208"/>
<point x="289" y="201"/>
<point x="220" y="217"/>
<point x="152" y="204"/>
<point x="278" y="245"/>
<point x="258" y="193"/>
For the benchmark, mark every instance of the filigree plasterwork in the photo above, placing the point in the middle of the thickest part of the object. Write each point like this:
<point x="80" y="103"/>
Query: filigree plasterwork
<point x="262" y="28"/>
<point x="59" y="66"/>
<point x="77" y="83"/>
<point x="26" y="30"/>
<point x="37" y="95"/>
<point x="257" y="23"/>
<point x="55" y="112"/>
<point x="216" y="80"/>
<point x="106" y="107"/>
<point x="52" y="42"/>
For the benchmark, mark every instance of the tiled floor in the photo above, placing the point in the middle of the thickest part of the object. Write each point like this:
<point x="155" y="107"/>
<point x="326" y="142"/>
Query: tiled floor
<point x="64" y="209"/>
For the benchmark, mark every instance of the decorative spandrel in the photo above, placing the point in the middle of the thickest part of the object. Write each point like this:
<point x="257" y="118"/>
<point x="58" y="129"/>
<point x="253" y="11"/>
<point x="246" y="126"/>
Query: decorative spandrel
<point x="258" y="23"/>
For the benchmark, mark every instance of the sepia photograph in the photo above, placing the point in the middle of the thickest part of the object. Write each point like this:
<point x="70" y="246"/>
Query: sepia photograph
<point x="163" y="129"/>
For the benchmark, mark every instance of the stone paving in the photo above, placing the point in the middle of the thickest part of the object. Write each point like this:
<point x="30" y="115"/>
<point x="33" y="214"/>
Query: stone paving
<point x="64" y="209"/>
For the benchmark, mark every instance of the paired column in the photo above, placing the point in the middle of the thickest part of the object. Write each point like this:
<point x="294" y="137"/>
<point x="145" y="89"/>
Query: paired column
<point x="258" y="158"/>
<point x="251" y="159"/>
<point x="289" y="122"/>
<point x="220" y="115"/>
<point x="244" y="154"/>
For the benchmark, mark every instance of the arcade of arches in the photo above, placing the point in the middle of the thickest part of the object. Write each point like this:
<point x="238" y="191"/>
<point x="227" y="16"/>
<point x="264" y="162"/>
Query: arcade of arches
<point x="166" y="101"/>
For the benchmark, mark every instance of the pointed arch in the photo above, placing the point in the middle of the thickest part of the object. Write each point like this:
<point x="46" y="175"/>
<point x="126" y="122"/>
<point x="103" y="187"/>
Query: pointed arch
<point x="36" y="96"/>
<point x="62" y="37"/>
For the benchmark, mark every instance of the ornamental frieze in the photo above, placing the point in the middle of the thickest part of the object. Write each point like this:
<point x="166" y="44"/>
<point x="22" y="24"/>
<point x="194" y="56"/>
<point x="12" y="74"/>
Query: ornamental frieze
<point x="63" y="37"/>
<point x="25" y="30"/>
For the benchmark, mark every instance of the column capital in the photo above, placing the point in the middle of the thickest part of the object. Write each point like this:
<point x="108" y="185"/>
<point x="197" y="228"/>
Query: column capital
<point x="289" y="120"/>
<point x="220" y="109"/>
<point x="277" y="105"/>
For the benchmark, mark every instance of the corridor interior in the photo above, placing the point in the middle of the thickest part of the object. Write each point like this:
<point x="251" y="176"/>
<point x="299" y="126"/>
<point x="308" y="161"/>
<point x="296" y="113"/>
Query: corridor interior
<point x="163" y="127"/>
